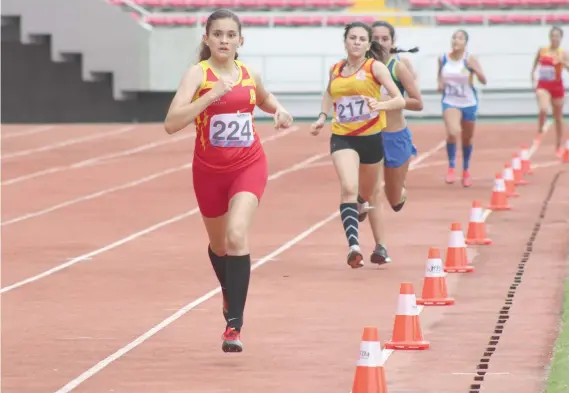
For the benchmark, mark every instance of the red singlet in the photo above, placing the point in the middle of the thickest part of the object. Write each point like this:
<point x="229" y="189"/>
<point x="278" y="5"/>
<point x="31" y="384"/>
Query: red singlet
<point x="229" y="157"/>
<point x="226" y="139"/>
<point x="550" y="73"/>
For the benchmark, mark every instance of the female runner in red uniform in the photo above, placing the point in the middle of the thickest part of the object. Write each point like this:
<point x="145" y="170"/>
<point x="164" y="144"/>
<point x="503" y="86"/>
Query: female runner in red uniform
<point x="219" y="95"/>
<point x="550" y="90"/>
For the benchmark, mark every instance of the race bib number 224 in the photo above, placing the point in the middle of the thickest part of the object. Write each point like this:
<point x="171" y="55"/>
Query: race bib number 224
<point x="231" y="130"/>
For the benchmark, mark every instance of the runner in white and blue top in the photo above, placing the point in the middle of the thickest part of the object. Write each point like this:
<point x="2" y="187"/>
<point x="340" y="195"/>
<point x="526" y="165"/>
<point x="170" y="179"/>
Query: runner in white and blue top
<point x="397" y="141"/>
<point x="459" y="101"/>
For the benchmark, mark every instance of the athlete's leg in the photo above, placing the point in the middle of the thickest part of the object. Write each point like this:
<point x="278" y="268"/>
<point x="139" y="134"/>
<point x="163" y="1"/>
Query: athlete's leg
<point x="211" y="195"/>
<point x="245" y="194"/>
<point x="468" y="124"/>
<point x="216" y="232"/>
<point x="377" y="218"/>
<point x="399" y="149"/>
<point x="452" y="118"/>
<point x="557" y="106"/>
<point x="346" y="162"/>
<point x="371" y="180"/>
<point x="543" y="102"/>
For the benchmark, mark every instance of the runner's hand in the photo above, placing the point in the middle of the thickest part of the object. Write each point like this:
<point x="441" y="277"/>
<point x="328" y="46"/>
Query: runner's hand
<point x="283" y="119"/>
<point x="223" y="86"/>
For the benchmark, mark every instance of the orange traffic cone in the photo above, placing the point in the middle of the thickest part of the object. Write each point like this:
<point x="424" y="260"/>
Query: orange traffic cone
<point x="508" y="175"/>
<point x="476" y="233"/>
<point x="434" y="283"/>
<point x="456" y="260"/>
<point x="526" y="164"/>
<point x="518" y="172"/>
<point x="499" y="199"/>
<point x="565" y="153"/>
<point x="407" y="332"/>
<point x="370" y="375"/>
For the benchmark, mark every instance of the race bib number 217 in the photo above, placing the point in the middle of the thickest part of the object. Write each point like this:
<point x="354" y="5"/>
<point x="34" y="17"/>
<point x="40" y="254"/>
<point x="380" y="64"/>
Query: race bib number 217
<point x="231" y="130"/>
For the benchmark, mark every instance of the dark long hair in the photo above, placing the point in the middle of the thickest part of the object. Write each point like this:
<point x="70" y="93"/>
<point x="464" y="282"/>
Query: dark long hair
<point x="205" y="51"/>
<point x="391" y="29"/>
<point x="376" y="51"/>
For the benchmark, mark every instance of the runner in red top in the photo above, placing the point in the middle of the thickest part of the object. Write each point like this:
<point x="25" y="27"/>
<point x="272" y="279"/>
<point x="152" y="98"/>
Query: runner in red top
<point x="219" y="95"/>
<point x="550" y="91"/>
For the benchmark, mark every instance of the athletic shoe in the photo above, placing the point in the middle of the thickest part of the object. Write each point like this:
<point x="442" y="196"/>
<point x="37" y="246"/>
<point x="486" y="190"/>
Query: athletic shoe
<point x="451" y="177"/>
<point x="379" y="255"/>
<point x="363" y="208"/>
<point x="231" y="340"/>
<point x="466" y="179"/>
<point x="355" y="258"/>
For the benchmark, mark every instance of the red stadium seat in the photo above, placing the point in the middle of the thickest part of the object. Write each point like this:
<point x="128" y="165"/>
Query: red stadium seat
<point x="272" y="4"/>
<point x="448" y="20"/>
<point x="473" y="20"/>
<point x="497" y="19"/>
<point x="557" y="19"/>
<point x="255" y="21"/>
<point x="559" y="3"/>
<point x="249" y="4"/>
<point x="538" y="3"/>
<point x="490" y="4"/>
<point x="222" y="3"/>
<point x="420" y="4"/>
<point x="467" y="3"/>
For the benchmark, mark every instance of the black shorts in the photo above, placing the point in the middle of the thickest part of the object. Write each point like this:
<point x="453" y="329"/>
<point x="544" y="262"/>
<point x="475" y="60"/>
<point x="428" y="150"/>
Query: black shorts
<point x="368" y="147"/>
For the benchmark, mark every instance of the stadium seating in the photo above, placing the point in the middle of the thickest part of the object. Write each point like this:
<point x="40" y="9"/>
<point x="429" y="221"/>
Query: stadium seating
<point x="488" y="4"/>
<point x="243" y="5"/>
<point x="307" y="21"/>
<point x="173" y="13"/>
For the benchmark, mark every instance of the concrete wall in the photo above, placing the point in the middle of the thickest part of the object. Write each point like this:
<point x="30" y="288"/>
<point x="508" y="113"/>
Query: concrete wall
<point x="107" y="37"/>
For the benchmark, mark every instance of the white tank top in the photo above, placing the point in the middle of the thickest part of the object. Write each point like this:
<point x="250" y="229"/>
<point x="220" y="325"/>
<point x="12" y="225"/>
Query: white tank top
<point x="457" y="79"/>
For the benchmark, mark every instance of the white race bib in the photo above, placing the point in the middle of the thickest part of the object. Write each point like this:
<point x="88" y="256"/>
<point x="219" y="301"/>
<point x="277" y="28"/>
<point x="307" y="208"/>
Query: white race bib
<point x="454" y="90"/>
<point x="546" y="73"/>
<point x="231" y="130"/>
<point x="352" y="109"/>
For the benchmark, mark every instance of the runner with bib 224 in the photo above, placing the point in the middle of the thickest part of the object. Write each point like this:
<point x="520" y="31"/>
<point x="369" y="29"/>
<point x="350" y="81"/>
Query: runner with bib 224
<point x="219" y="94"/>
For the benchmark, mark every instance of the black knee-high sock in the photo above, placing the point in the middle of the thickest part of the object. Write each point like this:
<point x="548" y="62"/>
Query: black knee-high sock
<point x="238" y="273"/>
<point x="349" y="215"/>
<point x="218" y="263"/>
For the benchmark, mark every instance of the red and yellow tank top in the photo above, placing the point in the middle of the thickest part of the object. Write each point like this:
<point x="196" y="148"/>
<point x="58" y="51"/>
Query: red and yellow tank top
<point x="550" y="66"/>
<point x="352" y="115"/>
<point x="226" y="139"/>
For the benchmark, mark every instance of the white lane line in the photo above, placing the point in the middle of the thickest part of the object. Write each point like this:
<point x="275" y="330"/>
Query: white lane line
<point x="69" y="142"/>
<point x="88" y="256"/>
<point x="31" y="131"/>
<point x="95" y="160"/>
<point x="120" y="187"/>
<point x="182" y="311"/>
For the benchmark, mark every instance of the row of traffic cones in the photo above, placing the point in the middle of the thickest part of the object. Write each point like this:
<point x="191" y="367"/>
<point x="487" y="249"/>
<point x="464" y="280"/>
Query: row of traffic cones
<point x="407" y="333"/>
<point x="512" y="176"/>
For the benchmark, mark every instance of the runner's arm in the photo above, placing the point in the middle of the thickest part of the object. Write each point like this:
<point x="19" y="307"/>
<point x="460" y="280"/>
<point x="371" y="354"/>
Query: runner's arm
<point x="413" y="101"/>
<point x="182" y="110"/>
<point x="266" y="101"/>
<point x="383" y="76"/>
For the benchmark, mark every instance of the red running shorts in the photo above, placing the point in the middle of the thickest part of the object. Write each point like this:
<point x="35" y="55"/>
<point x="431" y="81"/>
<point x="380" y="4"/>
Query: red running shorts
<point x="556" y="90"/>
<point x="215" y="190"/>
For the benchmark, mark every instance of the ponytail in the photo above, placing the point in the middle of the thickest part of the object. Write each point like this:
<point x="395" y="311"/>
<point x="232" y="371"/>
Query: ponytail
<point x="205" y="52"/>
<point x="377" y="52"/>
<point x="399" y="50"/>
